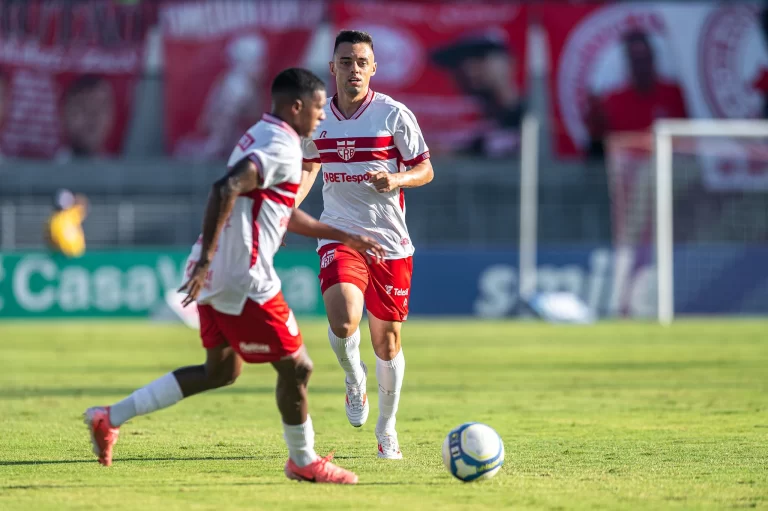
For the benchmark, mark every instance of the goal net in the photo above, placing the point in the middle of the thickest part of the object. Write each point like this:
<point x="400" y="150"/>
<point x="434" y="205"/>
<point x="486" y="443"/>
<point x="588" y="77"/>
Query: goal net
<point x="690" y="218"/>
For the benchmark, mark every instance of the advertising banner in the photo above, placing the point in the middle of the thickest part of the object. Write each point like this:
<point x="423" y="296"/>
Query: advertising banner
<point x="124" y="283"/>
<point x="709" y="279"/>
<point x="67" y="77"/>
<point x="616" y="67"/>
<point x="459" y="67"/>
<point x="220" y="59"/>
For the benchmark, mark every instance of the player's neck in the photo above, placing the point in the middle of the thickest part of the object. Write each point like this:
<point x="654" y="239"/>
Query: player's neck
<point x="281" y="115"/>
<point x="349" y="104"/>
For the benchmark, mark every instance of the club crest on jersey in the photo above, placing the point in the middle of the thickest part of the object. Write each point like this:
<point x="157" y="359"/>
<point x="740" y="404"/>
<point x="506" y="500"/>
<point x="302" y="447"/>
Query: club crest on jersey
<point x="345" y="149"/>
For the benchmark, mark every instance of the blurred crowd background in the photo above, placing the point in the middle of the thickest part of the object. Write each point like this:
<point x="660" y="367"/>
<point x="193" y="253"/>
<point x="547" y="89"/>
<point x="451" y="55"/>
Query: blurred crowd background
<point x="136" y="105"/>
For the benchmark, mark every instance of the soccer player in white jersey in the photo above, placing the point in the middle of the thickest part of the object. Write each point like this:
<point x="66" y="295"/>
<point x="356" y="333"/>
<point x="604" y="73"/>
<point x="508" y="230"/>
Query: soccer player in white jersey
<point x="243" y="316"/>
<point x="369" y="148"/>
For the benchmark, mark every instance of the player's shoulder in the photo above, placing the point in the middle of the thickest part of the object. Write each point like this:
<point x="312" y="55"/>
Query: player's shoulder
<point x="384" y="102"/>
<point x="271" y="130"/>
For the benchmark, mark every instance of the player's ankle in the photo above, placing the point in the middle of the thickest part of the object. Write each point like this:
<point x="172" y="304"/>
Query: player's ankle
<point x="303" y="458"/>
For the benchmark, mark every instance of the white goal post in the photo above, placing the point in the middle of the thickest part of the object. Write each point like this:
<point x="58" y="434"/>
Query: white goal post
<point x="529" y="205"/>
<point x="664" y="131"/>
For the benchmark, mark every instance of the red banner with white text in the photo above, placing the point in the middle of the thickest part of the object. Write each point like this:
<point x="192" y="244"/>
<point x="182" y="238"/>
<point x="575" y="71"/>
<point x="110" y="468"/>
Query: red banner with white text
<point x="618" y="67"/>
<point x="67" y="76"/>
<point x="220" y="59"/>
<point x="459" y="67"/>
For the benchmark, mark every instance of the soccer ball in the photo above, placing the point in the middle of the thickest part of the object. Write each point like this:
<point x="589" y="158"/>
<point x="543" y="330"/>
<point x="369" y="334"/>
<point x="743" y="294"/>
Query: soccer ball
<point x="473" y="451"/>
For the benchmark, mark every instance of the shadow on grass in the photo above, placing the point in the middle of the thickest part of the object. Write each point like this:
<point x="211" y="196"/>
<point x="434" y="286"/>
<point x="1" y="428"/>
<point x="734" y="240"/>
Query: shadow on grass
<point x="97" y="392"/>
<point x="128" y="460"/>
<point x="52" y="392"/>
<point x="166" y="485"/>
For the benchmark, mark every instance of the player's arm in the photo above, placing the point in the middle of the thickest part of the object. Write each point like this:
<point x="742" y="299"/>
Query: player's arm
<point x="81" y="202"/>
<point x="243" y="178"/>
<point x="303" y="224"/>
<point x="413" y="150"/>
<point x="420" y="175"/>
<point x="308" y="176"/>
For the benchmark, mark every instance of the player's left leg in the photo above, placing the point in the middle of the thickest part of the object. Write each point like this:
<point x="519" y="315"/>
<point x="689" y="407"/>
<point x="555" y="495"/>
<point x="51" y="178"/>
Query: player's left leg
<point x="390" y="371"/>
<point x="275" y="330"/>
<point x="222" y="367"/>
<point x="387" y="301"/>
<point x="303" y="463"/>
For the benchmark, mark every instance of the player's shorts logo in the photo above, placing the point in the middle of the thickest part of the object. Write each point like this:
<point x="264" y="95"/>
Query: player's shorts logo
<point x="345" y="149"/>
<point x="252" y="347"/>
<point x="327" y="258"/>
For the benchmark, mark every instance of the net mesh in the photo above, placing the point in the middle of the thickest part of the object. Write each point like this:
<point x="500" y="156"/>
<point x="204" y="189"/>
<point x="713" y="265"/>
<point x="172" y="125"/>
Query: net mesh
<point x="720" y="220"/>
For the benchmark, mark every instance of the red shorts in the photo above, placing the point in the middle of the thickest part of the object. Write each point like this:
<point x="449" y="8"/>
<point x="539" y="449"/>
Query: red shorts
<point x="260" y="334"/>
<point x="386" y="286"/>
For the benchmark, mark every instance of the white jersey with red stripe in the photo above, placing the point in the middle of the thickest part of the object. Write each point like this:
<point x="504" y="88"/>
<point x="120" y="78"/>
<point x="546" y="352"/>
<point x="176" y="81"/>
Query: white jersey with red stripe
<point x="242" y="267"/>
<point x="382" y="135"/>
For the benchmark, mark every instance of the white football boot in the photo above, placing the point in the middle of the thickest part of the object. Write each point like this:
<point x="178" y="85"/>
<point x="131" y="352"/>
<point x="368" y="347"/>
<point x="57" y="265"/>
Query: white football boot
<point x="389" y="448"/>
<point x="356" y="401"/>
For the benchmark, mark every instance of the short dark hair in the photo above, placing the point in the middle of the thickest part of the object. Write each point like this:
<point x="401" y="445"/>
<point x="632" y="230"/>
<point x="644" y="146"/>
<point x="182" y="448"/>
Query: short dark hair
<point x="354" y="37"/>
<point x="636" y="36"/>
<point x="82" y="84"/>
<point x="295" y="82"/>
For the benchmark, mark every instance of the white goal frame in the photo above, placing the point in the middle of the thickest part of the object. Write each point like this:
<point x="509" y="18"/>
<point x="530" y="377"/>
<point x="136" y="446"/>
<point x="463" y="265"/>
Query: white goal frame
<point x="664" y="130"/>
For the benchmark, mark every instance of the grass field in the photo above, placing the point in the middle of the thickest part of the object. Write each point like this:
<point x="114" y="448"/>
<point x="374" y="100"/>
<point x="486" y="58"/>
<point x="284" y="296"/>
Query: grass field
<point x="614" y="416"/>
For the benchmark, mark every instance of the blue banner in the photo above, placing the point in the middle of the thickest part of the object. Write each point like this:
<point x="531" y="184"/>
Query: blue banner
<point x="712" y="279"/>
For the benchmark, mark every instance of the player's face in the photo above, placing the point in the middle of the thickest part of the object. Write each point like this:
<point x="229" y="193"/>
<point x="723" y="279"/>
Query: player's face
<point x="353" y="66"/>
<point x="641" y="59"/>
<point x="311" y="113"/>
<point x="88" y="118"/>
<point x="486" y="76"/>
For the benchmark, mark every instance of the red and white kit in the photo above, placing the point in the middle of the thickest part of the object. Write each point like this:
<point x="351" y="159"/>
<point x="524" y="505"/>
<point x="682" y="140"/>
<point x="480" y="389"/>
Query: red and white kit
<point x="382" y="135"/>
<point x="242" y="302"/>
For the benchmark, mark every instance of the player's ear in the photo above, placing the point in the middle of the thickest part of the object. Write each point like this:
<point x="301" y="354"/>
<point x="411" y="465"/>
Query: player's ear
<point x="297" y="106"/>
<point x="332" y="68"/>
<point x="374" y="68"/>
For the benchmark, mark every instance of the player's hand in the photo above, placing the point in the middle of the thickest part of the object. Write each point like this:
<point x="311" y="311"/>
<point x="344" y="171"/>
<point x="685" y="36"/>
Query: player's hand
<point x="372" y="251"/>
<point x="384" y="181"/>
<point x="195" y="284"/>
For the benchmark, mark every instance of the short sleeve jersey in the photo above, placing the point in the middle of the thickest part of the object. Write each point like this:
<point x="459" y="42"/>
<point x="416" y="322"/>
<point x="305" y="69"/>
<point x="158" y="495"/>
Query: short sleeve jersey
<point x="382" y="135"/>
<point x="242" y="267"/>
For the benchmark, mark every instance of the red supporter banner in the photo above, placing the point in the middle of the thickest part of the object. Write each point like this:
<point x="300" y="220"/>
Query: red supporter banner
<point x="220" y="59"/>
<point x="617" y="67"/>
<point x="459" y="67"/>
<point x="67" y="76"/>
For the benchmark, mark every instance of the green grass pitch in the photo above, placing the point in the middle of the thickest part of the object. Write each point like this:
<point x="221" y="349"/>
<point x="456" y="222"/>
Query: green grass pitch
<point x="612" y="416"/>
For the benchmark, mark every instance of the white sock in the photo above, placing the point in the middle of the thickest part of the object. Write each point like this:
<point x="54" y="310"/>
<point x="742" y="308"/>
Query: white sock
<point x="348" y="354"/>
<point x="390" y="374"/>
<point x="301" y="442"/>
<point x="159" y="394"/>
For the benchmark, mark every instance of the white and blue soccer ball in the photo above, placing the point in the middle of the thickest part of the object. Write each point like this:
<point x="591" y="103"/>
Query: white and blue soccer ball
<point x="473" y="451"/>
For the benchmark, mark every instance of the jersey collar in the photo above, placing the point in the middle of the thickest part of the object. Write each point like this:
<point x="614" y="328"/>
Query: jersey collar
<point x="363" y="106"/>
<point x="281" y="124"/>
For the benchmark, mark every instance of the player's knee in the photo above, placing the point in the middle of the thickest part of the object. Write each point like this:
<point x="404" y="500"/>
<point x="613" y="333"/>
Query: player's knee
<point x="304" y="369"/>
<point x="343" y="329"/>
<point x="387" y="352"/>
<point x="223" y="374"/>
<point x="388" y="346"/>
